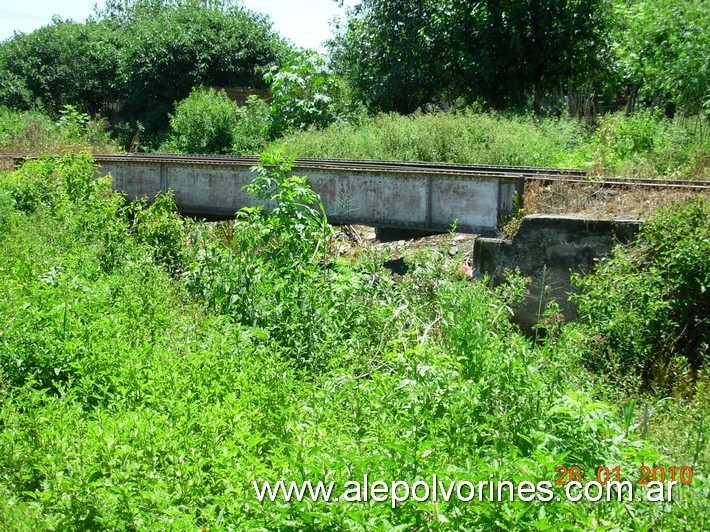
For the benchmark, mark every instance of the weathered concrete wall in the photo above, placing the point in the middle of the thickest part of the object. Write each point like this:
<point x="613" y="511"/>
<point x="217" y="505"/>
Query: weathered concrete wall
<point x="548" y="249"/>
<point x="397" y="199"/>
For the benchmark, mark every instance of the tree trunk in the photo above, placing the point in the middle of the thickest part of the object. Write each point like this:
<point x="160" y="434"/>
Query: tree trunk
<point x="537" y="105"/>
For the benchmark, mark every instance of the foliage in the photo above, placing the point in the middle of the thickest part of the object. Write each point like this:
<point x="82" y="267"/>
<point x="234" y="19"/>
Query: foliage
<point x="63" y="63"/>
<point x="404" y="54"/>
<point x="34" y="132"/>
<point x="646" y="145"/>
<point x="162" y="57"/>
<point x="297" y="223"/>
<point x="126" y="11"/>
<point x="270" y="254"/>
<point x="203" y="123"/>
<point x="251" y="132"/>
<point x="207" y="121"/>
<point x="160" y="227"/>
<point x="304" y="93"/>
<point x="52" y="189"/>
<point x="128" y="402"/>
<point x="641" y="145"/>
<point x="648" y="306"/>
<point x="139" y="56"/>
<point x="523" y="48"/>
<point x="463" y="136"/>
<point x="388" y="54"/>
<point x="663" y="47"/>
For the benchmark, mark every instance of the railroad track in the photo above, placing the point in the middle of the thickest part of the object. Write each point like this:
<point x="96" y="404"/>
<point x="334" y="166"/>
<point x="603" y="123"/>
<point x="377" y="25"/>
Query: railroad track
<point x="358" y="164"/>
<point x="529" y="173"/>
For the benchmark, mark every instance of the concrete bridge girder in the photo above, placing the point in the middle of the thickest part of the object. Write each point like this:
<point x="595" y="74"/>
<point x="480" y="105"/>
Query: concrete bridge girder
<point x="396" y="199"/>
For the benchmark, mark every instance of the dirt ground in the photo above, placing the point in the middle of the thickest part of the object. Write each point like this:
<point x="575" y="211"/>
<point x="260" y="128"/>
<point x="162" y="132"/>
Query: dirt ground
<point x="350" y="240"/>
<point x="593" y="200"/>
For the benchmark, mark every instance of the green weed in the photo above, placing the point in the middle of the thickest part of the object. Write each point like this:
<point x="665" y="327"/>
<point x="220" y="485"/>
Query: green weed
<point x="34" y="132"/>
<point x="466" y="136"/>
<point x="641" y="145"/>
<point x="135" y="398"/>
<point x="648" y="305"/>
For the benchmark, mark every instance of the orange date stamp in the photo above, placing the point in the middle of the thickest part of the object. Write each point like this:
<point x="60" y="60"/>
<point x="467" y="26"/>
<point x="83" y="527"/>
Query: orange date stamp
<point x="604" y="474"/>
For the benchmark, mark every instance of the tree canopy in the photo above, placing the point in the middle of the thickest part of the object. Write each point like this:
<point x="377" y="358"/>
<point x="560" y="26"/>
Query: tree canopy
<point x="162" y="57"/>
<point x="140" y="57"/>
<point x="402" y="54"/>
<point x="664" y="48"/>
<point x="145" y="54"/>
<point x="59" y="64"/>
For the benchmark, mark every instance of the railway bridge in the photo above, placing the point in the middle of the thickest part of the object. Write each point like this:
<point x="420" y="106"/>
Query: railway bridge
<point x="384" y="194"/>
<point x="398" y="195"/>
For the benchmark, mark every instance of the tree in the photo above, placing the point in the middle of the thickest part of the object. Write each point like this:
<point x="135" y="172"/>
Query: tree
<point x="664" y="47"/>
<point x="387" y="52"/>
<point x="525" y="46"/>
<point x="59" y="64"/>
<point x="402" y="54"/>
<point x="144" y="54"/>
<point x="165" y="55"/>
<point x="127" y="11"/>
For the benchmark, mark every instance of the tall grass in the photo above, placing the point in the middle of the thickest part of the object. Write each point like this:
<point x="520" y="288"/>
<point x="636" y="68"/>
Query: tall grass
<point x="467" y="136"/>
<point x="642" y="145"/>
<point x="647" y="145"/>
<point x="150" y="373"/>
<point x="34" y="132"/>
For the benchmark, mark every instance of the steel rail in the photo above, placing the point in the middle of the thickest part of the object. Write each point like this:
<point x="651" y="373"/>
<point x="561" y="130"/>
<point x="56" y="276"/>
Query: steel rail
<point x="575" y="176"/>
<point x="625" y="182"/>
<point x="527" y="172"/>
<point x="352" y="164"/>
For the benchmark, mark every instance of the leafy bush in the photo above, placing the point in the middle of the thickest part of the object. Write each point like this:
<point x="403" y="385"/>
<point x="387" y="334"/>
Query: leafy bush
<point x="167" y="48"/>
<point x="145" y="54"/>
<point x="304" y="93"/>
<point x="51" y="184"/>
<point x="647" y="145"/>
<point x="207" y="121"/>
<point x="6" y="208"/>
<point x="203" y="123"/>
<point x="160" y="226"/>
<point x="251" y="131"/>
<point x="648" y="307"/>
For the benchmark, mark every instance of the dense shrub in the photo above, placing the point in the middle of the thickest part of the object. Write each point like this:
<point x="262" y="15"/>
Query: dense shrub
<point x="160" y="226"/>
<point x="648" y="307"/>
<point x="203" y="123"/>
<point x="251" y="131"/>
<point x="63" y="192"/>
<point x="207" y="121"/>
